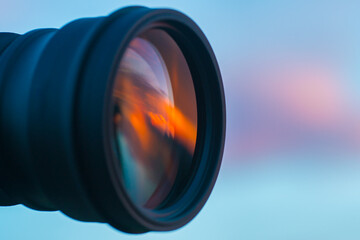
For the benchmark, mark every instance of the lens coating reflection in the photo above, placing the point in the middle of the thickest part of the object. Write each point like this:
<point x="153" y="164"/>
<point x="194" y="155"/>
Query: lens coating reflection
<point x="155" y="118"/>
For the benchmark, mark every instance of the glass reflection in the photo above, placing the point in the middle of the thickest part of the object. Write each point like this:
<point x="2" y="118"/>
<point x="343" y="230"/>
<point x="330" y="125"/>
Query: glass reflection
<point x="155" y="137"/>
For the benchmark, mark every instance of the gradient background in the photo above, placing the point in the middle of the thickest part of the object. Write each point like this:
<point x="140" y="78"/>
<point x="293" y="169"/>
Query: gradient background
<point x="291" y="73"/>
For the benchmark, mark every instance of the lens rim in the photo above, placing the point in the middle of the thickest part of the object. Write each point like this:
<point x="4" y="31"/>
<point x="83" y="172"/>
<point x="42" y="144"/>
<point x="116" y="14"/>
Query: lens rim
<point x="95" y="102"/>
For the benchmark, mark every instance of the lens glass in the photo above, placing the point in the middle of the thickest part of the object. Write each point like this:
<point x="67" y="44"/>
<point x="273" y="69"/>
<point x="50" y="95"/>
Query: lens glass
<point x="155" y="118"/>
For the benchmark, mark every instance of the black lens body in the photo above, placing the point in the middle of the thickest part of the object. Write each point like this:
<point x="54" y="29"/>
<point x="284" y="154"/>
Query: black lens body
<point x="55" y="134"/>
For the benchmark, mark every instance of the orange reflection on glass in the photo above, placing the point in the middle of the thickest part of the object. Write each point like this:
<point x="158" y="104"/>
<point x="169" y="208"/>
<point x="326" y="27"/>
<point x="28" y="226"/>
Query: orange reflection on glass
<point x="155" y="131"/>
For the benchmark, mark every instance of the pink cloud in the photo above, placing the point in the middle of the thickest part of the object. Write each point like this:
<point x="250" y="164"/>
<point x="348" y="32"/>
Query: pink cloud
<point x="291" y="105"/>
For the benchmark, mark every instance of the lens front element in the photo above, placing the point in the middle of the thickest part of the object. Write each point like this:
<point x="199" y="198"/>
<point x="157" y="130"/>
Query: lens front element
<point x="155" y="118"/>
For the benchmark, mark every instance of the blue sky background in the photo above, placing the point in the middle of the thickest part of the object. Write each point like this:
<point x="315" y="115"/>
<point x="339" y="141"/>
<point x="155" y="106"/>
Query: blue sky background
<point x="291" y="73"/>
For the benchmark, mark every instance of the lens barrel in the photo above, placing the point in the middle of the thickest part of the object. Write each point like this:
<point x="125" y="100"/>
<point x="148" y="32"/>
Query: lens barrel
<point x="57" y="132"/>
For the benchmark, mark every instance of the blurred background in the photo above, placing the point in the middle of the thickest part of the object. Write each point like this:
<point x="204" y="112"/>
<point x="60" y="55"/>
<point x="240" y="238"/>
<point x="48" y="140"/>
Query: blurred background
<point x="291" y="167"/>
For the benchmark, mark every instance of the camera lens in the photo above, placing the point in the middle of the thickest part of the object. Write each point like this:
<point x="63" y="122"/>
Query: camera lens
<point x="117" y="119"/>
<point x="155" y="118"/>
